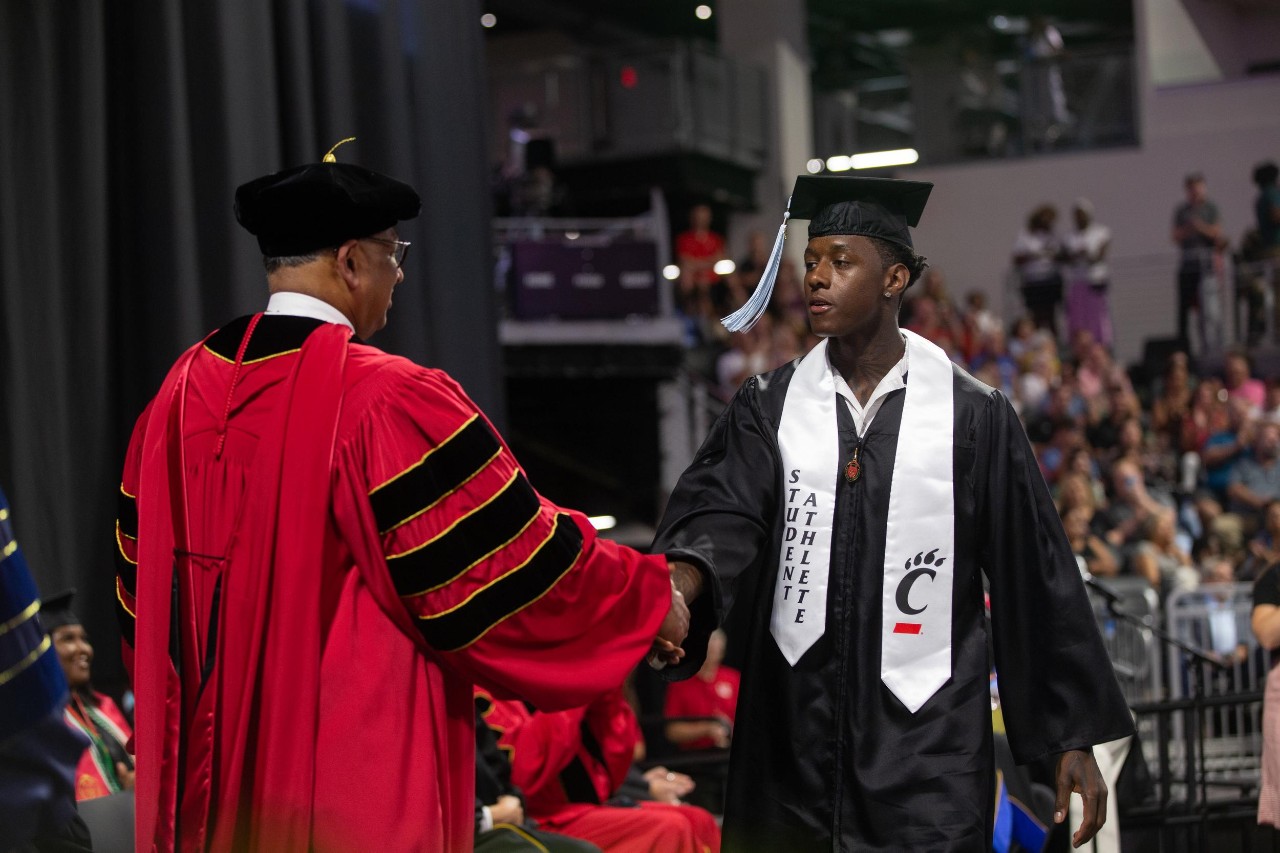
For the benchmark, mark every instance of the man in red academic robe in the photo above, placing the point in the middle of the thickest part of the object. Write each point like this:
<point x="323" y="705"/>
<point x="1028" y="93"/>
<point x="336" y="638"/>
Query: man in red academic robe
<point x="570" y="763"/>
<point x="322" y="547"/>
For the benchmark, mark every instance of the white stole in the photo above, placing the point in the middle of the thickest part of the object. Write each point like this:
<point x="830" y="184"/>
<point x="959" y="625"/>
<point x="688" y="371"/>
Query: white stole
<point x="915" y="655"/>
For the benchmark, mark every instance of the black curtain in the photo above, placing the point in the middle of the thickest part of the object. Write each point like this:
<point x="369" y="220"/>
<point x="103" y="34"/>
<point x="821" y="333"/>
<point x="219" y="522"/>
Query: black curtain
<point x="125" y="127"/>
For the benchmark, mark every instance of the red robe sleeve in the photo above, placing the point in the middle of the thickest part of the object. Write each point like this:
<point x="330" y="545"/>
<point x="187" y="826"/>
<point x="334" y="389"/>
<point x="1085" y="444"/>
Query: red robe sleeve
<point x="511" y="591"/>
<point x="549" y="752"/>
<point x="540" y="746"/>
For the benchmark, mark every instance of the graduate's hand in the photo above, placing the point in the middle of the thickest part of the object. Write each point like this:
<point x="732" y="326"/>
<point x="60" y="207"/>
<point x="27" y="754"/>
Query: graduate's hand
<point x="1078" y="773"/>
<point x="671" y="633"/>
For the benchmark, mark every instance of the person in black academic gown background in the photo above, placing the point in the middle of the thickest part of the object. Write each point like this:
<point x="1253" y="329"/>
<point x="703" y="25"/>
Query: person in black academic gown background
<point x="847" y="764"/>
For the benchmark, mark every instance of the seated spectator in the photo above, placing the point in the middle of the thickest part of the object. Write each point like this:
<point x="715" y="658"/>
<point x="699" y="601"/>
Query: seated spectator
<point x="1271" y="406"/>
<point x="1035" y="384"/>
<point x="1108" y="415"/>
<point x="1158" y="558"/>
<point x="106" y="767"/>
<point x="928" y="321"/>
<point x="1065" y="438"/>
<point x="1237" y="378"/>
<point x="1098" y="370"/>
<point x="1264" y="547"/>
<point x="712" y="693"/>
<point x="1215" y="532"/>
<point x="1255" y="480"/>
<point x="1092" y="554"/>
<point x="501" y="825"/>
<point x="992" y="357"/>
<point x="1173" y="401"/>
<point x="1131" y="506"/>
<point x="1080" y="488"/>
<point x="569" y="764"/>
<point x="979" y="325"/>
<point x="1231" y="432"/>
<point x="1025" y="340"/>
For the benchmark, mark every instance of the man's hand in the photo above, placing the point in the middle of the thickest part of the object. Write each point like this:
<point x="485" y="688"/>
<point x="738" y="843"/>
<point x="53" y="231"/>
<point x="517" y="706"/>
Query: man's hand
<point x="1078" y="772"/>
<point x="671" y="633"/>
<point x="507" y="810"/>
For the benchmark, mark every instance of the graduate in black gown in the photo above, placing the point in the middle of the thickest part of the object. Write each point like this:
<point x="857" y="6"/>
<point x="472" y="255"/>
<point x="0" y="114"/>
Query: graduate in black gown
<point x="854" y="563"/>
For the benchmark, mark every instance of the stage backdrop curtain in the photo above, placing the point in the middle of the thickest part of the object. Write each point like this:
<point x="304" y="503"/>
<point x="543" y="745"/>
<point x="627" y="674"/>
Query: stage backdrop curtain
<point x="124" y="129"/>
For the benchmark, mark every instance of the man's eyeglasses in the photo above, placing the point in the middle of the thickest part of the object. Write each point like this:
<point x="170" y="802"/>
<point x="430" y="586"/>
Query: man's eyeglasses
<point x="399" y="253"/>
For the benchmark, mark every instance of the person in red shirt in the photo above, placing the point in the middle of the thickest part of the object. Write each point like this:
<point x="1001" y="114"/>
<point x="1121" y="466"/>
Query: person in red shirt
<point x="712" y="693"/>
<point x="697" y="251"/>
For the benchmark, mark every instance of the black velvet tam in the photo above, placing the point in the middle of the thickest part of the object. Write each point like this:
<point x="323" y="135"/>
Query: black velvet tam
<point x="320" y="205"/>
<point x="869" y="207"/>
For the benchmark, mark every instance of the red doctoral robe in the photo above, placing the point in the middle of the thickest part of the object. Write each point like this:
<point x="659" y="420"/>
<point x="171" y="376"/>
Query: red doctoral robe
<point x="321" y="548"/>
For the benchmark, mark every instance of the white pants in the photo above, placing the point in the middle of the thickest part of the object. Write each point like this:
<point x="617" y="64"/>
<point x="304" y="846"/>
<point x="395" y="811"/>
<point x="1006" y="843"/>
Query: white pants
<point x="1110" y="757"/>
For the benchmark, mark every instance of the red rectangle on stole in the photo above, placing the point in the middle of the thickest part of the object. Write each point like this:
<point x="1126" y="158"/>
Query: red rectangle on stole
<point x="907" y="628"/>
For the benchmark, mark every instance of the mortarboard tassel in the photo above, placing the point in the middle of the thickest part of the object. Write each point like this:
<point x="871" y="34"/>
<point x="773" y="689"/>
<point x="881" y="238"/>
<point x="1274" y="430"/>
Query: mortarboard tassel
<point x="746" y="316"/>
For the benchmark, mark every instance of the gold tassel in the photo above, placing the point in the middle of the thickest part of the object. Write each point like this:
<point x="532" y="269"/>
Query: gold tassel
<point x="330" y="158"/>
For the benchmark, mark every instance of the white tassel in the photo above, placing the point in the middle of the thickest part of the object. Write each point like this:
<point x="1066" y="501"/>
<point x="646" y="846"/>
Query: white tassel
<point x="746" y="316"/>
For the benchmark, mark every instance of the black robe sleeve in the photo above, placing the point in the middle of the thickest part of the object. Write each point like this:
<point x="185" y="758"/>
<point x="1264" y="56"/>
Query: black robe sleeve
<point x="1057" y="686"/>
<point x="721" y="515"/>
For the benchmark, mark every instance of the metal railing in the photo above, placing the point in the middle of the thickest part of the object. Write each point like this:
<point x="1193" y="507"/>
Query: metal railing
<point x="1199" y="718"/>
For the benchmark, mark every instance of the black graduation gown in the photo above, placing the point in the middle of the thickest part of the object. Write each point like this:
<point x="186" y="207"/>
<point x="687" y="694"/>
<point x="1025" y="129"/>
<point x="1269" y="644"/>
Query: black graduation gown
<point x="824" y="757"/>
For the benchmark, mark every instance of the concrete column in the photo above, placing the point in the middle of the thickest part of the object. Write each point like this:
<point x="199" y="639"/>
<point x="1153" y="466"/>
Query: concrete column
<point x="772" y="34"/>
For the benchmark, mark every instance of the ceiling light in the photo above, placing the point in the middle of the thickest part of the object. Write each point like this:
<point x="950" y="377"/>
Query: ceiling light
<point x="881" y="159"/>
<point x="488" y="20"/>
<point x="703" y="12"/>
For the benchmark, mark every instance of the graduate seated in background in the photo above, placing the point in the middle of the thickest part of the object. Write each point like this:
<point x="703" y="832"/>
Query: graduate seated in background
<point x="851" y="503"/>
<point x="570" y="764"/>
<point x="106" y="766"/>
<point x="501" y="825"/>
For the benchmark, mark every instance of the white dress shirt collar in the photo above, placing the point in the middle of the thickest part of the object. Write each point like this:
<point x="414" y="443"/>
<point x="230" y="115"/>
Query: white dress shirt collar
<point x="863" y="415"/>
<point x="302" y="305"/>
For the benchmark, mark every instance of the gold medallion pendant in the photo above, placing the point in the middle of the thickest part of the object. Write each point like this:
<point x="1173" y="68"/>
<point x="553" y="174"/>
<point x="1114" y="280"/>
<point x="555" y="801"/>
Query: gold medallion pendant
<point x="853" y="468"/>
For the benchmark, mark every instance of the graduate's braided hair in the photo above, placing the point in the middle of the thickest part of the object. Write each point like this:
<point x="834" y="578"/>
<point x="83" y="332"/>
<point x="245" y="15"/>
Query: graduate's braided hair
<point x="895" y="253"/>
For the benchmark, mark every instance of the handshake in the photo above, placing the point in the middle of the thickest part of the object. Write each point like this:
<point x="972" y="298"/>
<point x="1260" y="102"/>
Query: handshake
<point x="686" y="584"/>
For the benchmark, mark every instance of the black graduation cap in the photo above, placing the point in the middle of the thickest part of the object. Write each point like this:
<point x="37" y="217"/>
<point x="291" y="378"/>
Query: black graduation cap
<point x="319" y="205"/>
<point x="56" y="612"/>
<point x="871" y="207"/>
<point x="884" y="208"/>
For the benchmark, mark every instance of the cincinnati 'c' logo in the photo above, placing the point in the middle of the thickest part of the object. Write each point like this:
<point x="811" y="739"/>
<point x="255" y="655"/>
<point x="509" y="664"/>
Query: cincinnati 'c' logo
<point x="921" y="564"/>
